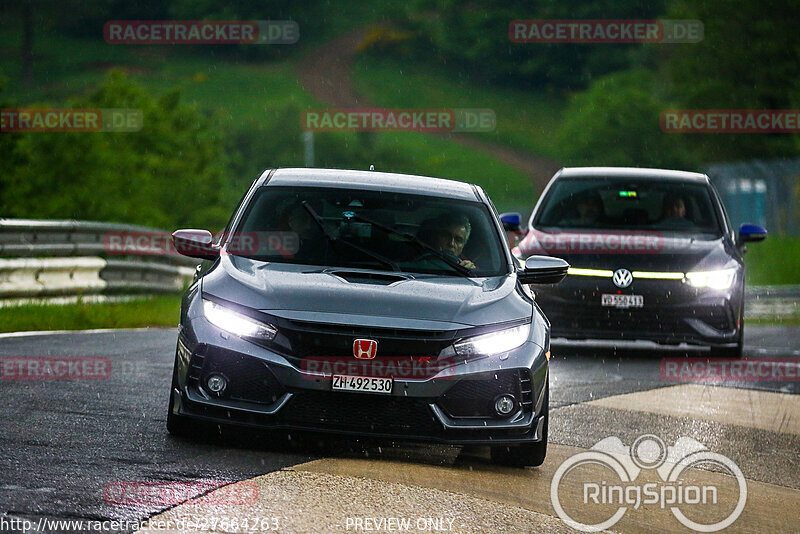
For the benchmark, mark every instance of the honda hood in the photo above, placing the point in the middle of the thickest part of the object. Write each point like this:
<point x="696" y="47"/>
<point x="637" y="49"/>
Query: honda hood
<point x="365" y="297"/>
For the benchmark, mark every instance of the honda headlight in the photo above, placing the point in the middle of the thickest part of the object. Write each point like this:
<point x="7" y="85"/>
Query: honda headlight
<point x="494" y="342"/>
<point x="236" y="323"/>
<point x="721" y="279"/>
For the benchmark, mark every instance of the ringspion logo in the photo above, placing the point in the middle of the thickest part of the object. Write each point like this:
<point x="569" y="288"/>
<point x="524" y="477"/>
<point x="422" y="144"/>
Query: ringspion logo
<point x="607" y="477"/>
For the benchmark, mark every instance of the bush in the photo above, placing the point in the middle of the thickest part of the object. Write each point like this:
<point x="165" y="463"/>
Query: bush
<point x="473" y="37"/>
<point x="170" y="173"/>
<point x="616" y="122"/>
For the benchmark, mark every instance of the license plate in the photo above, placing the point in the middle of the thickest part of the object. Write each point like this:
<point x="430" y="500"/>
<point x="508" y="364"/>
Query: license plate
<point x="623" y="301"/>
<point x="366" y="384"/>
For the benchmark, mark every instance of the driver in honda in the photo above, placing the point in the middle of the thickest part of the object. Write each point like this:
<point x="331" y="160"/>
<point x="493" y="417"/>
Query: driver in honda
<point x="449" y="233"/>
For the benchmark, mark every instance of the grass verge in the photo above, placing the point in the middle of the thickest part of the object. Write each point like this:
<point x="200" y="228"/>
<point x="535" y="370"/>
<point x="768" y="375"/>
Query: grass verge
<point x="789" y="320"/>
<point x="146" y="311"/>
<point x="775" y="261"/>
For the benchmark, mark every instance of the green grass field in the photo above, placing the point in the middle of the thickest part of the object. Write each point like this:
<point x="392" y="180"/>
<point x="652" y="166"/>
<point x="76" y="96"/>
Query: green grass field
<point x="153" y="311"/>
<point x="526" y="120"/>
<point x="775" y="261"/>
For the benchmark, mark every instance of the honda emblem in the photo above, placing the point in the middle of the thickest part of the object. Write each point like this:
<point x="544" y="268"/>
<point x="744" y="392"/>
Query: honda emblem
<point x="365" y="349"/>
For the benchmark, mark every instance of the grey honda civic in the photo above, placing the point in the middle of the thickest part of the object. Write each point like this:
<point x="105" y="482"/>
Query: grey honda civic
<point x="363" y="303"/>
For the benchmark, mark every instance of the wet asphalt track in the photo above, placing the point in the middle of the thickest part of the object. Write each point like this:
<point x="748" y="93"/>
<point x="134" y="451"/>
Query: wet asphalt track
<point x="64" y="441"/>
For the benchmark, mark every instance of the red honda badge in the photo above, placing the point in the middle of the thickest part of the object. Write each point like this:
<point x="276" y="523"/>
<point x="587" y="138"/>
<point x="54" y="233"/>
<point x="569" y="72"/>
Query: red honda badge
<point x="365" y="349"/>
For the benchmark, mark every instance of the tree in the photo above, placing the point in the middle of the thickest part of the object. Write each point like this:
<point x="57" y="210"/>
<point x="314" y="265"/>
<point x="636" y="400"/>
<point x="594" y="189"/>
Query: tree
<point x="171" y="173"/>
<point x="473" y="35"/>
<point x="749" y="59"/>
<point x="616" y="122"/>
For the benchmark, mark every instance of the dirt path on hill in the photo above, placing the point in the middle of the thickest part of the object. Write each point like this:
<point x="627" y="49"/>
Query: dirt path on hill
<point x="326" y="73"/>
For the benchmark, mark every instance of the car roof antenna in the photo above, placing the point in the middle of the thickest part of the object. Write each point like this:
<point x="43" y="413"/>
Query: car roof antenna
<point x="372" y="167"/>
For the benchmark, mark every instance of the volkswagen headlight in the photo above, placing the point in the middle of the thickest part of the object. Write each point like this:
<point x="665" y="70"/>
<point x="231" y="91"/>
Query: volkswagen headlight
<point x="721" y="279"/>
<point x="236" y="323"/>
<point x="493" y="343"/>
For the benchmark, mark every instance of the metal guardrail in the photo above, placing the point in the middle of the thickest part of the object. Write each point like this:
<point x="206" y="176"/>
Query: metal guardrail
<point x="772" y="302"/>
<point x="41" y="258"/>
<point x="32" y="238"/>
<point x="770" y="292"/>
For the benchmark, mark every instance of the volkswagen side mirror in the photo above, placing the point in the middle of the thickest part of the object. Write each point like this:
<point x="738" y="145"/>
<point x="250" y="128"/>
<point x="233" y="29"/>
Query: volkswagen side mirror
<point x="511" y="221"/>
<point x="751" y="233"/>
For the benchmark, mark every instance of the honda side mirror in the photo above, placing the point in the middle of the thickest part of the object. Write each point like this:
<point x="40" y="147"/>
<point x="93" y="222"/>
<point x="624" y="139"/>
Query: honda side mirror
<point x="195" y="244"/>
<point x="543" y="270"/>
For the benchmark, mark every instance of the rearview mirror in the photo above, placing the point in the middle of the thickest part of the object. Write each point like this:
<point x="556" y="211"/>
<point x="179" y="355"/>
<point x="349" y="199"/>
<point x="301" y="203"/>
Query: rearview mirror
<point x="543" y="270"/>
<point x="511" y="221"/>
<point x="750" y="233"/>
<point x="195" y="244"/>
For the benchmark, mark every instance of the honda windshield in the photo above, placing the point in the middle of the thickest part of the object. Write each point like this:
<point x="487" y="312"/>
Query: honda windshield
<point x="337" y="227"/>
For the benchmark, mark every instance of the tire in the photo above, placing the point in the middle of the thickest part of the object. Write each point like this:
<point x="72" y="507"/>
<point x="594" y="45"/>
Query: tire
<point x="727" y="352"/>
<point x="736" y="351"/>
<point x="177" y="425"/>
<point x="186" y="427"/>
<point x="528" y="454"/>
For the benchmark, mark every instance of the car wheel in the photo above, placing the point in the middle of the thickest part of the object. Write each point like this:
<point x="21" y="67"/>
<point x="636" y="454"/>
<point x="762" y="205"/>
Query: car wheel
<point x="529" y="454"/>
<point x="727" y="352"/>
<point x="177" y="425"/>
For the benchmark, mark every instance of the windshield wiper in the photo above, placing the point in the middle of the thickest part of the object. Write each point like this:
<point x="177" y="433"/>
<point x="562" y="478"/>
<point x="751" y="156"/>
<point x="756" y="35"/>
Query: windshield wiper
<point x="467" y="272"/>
<point x="334" y="239"/>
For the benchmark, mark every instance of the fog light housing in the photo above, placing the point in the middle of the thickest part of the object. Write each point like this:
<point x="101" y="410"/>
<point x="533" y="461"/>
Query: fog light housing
<point x="505" y="405"/>
<point x="216" y="384"/>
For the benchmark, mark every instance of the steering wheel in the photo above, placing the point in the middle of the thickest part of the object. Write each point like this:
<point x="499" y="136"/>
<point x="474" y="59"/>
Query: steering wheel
<point x="430" y="255"/>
